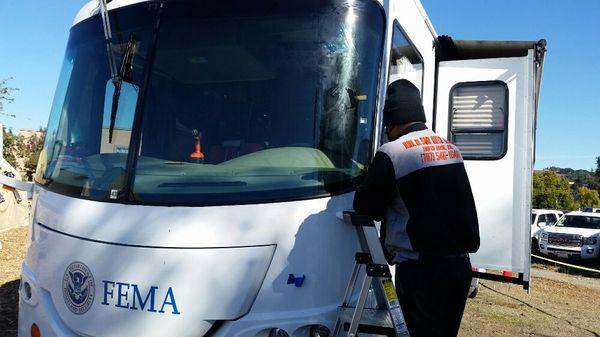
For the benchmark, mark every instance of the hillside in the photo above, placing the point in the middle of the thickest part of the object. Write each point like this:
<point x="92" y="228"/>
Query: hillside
<point x="579" y="177"/>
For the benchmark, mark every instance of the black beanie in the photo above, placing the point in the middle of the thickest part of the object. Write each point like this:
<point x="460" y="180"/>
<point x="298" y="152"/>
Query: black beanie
<point x="403" y="104"/>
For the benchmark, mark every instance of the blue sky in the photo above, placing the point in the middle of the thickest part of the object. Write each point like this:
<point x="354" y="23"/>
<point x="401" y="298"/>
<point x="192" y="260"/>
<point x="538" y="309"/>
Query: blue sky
<point x="34" y="35"/>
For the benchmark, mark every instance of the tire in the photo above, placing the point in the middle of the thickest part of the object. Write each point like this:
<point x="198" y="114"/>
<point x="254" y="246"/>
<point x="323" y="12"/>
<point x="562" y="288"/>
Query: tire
<point x="535" y="248"/>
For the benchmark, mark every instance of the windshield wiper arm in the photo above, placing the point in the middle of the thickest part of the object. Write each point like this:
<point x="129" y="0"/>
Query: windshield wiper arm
<point x="108" y="38"/>
<point x="124" y="73"/>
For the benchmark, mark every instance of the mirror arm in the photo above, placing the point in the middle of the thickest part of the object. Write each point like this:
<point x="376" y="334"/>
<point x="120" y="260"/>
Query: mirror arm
<point x="24" y="186"/>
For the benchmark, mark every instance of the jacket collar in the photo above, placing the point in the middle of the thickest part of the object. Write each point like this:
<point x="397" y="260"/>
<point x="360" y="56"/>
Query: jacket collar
<point x="415" y="127"/>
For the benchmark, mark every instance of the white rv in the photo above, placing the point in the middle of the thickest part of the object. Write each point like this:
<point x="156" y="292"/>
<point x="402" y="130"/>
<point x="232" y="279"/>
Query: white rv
<point x="200" y="198"/>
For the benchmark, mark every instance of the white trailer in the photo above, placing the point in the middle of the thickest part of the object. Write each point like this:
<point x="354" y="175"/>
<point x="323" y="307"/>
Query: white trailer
<point x="201" y="199"/>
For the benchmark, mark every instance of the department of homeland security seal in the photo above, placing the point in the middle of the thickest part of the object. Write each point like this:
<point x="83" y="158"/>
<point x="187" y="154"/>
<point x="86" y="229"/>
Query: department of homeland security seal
<point x="78" y="288"/>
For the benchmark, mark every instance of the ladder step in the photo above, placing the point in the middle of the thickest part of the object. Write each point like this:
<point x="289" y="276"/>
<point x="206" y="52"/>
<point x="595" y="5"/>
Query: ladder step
<point x="370" y="317"/>
<point x="373" y="330"/>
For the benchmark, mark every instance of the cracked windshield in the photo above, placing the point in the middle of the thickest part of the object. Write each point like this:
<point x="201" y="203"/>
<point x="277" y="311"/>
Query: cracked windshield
<point x="235" y="103"/>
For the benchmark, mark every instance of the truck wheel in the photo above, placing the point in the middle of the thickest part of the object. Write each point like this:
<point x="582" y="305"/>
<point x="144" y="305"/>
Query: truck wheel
<point x="535" y="248"/>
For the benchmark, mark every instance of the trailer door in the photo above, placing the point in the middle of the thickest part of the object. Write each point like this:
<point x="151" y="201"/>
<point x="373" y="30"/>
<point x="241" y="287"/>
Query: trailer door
<point x="487" y="108"/>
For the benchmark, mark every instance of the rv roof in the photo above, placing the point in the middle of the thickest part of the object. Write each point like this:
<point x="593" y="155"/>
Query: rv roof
<point x="91" y="8"/>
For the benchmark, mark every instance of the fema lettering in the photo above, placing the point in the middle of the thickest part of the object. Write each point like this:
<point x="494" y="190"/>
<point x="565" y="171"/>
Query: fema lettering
<point x="128" y="296"/>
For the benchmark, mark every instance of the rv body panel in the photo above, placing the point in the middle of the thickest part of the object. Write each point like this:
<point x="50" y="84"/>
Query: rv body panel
<point x="220" y="264"/>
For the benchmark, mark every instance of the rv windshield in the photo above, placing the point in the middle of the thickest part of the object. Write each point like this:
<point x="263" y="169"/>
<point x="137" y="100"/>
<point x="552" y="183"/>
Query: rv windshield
<point x="242" y="102"/>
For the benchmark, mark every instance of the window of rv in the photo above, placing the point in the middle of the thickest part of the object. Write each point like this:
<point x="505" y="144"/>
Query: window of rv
<point x="479" y="119"/>
<point x="405" y="60"/>
<point x="245" y="102"/>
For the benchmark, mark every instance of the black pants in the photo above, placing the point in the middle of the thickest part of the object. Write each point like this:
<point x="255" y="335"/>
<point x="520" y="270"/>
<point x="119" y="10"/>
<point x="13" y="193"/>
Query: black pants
<point x="433" y="295"/>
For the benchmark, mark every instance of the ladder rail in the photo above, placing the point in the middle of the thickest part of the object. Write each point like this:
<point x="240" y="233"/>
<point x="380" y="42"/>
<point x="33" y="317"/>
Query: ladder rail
<point x="351" y="284"/>
<point x="347" y="296"/>
<point x="360" y="305"/>
<point x="377" y="276"/>
<point x="371" y="242"/>
<point x="373" y="245"/>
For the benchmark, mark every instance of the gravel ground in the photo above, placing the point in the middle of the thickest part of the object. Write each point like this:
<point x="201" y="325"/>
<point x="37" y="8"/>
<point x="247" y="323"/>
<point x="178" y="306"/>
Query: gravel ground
<point x="558" y="305"/>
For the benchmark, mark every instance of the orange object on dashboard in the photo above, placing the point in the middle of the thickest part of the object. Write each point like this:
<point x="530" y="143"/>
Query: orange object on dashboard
<point x="197" y="156"/>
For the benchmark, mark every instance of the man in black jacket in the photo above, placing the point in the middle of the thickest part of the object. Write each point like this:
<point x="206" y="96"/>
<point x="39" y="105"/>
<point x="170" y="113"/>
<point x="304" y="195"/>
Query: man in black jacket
<point x="418" y="187"/>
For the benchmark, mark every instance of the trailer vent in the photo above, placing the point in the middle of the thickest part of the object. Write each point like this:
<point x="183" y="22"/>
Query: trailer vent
<point x="479" y="118"/>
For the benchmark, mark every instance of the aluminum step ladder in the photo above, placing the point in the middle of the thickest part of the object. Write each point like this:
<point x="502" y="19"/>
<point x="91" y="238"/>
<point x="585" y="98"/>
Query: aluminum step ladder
<point x="387" y="318"/>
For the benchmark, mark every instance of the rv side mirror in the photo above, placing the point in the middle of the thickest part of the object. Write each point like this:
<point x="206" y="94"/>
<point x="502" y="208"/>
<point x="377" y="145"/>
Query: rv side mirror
<point x="120" y="101"/>
<point x="541" y="224"/>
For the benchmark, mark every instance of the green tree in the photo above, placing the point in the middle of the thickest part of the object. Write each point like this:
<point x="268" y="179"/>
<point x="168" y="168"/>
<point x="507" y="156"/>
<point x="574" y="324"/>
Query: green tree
<point x="31" y="153"/>
<point x="595" y="184"/>
<point x="551" y="190"/>
<point x="587" y="197"/>
<point x="23" y="153"/>
<point x="11" y="147"/>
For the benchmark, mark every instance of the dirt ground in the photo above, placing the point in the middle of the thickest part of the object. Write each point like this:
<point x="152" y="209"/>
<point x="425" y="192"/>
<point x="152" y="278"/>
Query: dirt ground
<point x="553" y="308"/>
<point x="14" y="243"/>
<point x="558" y="305"/>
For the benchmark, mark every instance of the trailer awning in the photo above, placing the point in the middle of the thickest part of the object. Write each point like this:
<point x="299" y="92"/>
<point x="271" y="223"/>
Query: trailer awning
<point x="449" y="49"/>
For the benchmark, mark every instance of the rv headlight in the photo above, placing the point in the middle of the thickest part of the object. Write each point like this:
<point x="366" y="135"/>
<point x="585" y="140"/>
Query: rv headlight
<point x="27" y="290"/>
<point x="319" y="331"/>
<point x="590" y="241"/>
<point x="544" y="236"/>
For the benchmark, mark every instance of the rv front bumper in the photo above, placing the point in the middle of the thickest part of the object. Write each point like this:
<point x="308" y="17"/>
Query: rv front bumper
<point x="36" y="307"/>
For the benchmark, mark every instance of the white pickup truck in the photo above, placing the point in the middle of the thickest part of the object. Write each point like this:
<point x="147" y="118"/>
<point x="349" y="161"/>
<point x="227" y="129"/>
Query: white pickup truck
<point x="540" y="218"/>
<point x="576" y="235"/>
